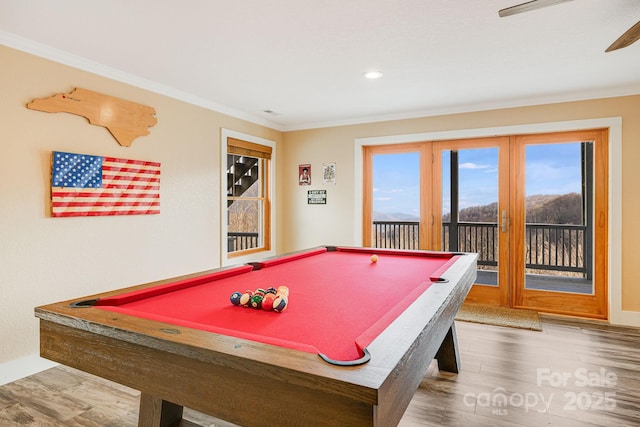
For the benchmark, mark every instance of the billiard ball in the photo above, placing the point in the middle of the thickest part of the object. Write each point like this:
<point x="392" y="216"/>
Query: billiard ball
<point x="256" y="301"/>
<point x="374" y="258"/>
<point x="235" y="298"/>
<point x="245" y="299"/>
<point x="280" y="303"/>
<point x="283" y="290"/>
<point x="267" y="302"/>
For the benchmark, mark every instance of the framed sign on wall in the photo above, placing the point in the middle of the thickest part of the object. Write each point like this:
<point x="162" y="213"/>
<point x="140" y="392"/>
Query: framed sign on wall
<point x="317" y="197"/>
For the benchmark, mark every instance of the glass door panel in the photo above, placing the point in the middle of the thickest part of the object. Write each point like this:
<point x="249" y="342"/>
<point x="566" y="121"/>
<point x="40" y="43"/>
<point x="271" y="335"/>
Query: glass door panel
<point x="470" y="207"/>
<point x="396" y="200"/>
<point x="558" y="217"/>
<point x="559" y="223"/>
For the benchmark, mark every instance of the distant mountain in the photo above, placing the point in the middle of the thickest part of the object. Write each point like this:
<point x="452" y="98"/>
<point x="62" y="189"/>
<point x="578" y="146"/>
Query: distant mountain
<point x="563" y="209"/>
<point x="484" y="213"/>
<point x="540" y="209"/>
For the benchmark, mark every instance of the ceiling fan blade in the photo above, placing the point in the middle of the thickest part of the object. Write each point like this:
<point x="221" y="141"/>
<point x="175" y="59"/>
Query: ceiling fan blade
<point x="629" y="37"/>
<point x="530" y="5"/>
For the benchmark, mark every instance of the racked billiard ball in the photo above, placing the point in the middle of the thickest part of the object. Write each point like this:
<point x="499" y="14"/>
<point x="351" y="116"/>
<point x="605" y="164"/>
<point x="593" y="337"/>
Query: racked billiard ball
<point x="280" y="303"/>
<point x="283" y="290"/>
<point x="245" y="299"/>
<point x="235" y="298"/>
<point x="256" y="301"/>
<point x="267" y="302"/>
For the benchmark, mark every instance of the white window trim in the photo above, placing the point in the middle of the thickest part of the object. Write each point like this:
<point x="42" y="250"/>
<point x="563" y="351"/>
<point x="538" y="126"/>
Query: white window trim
<point x="224" y="255"/>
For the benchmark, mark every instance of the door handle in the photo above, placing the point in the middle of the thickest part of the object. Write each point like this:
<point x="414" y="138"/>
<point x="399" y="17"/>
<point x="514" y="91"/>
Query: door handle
<point x="504" y="221"/>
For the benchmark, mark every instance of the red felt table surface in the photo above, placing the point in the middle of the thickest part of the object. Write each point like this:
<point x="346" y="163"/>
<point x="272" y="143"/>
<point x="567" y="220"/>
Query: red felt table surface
<point x="338" y="301"/>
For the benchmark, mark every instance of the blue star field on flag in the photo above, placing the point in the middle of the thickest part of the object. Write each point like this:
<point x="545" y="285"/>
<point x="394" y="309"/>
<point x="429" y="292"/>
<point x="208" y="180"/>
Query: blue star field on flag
<point x="77" y="170"/>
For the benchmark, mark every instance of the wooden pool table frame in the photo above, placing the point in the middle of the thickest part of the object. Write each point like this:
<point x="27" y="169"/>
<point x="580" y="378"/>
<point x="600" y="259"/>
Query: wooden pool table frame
<point x="255" y="384"/>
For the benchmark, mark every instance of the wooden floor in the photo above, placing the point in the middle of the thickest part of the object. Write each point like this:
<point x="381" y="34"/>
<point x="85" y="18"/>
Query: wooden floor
<point x="571" y="374"/>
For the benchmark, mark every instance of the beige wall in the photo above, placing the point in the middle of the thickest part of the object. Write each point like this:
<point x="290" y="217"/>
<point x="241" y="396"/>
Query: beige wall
<point x="310" y="225"/>
<point x="44" y="259"/>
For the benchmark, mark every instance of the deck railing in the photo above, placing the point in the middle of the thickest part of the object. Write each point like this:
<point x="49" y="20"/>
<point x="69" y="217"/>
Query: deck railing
<point x="239" y="241"/>
<point x="551" y="247"/>
<point x="556" y="247"/>
<point x="396" y="234"/>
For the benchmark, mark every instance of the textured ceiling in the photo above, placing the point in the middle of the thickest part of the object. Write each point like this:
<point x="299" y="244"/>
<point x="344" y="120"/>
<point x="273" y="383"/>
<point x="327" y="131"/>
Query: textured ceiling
<point x="304" y="59"/>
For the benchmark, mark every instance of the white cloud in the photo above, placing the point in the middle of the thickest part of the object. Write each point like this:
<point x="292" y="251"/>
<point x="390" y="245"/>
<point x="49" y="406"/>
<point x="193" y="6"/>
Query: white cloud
<point x="472" y="166"/>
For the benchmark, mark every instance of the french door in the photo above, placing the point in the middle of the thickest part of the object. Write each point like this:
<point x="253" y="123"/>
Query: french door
<point x="534" y="207"/>
<point x="470" y="189"/>
<point x="559" y="263"/>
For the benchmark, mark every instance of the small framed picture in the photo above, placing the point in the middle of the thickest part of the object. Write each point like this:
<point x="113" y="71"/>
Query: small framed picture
<point x="329" y="173"/>
<point x="304" y="174"/>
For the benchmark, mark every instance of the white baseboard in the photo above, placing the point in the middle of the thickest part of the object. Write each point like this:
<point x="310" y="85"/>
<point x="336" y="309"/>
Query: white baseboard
<point x="625" y="318"/>
<point x="23" y="367"/>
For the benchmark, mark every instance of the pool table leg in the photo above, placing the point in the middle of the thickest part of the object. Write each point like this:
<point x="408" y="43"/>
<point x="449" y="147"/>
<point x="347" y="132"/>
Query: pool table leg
<point x="448" y="356"/>
<point x="155" y="412"/>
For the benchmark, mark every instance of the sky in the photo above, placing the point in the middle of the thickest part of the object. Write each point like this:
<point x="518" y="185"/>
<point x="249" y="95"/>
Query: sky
<point x="550" y="169"/>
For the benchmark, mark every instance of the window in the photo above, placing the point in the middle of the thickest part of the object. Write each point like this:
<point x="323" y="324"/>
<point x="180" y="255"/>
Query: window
<point x="247" y="217"/>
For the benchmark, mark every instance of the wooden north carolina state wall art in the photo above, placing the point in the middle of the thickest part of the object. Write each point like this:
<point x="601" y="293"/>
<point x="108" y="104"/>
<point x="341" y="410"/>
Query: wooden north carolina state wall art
<point x="125" y="120"/>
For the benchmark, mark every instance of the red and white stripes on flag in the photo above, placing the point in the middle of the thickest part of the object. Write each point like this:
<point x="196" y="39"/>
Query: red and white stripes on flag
<point x="85" y="185"/>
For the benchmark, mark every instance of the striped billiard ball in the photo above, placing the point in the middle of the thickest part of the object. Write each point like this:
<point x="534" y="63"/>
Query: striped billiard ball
<point x="256" y="301"/>
<point x="280" y="303"/>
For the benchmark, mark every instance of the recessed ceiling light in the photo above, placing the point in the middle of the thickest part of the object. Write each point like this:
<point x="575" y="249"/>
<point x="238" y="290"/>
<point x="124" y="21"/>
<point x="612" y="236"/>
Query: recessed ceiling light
<point x="373" y="74"/>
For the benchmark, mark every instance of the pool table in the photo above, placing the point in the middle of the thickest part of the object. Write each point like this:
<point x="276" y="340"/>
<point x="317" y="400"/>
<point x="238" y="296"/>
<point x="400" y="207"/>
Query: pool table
<point x="350" y="348"/>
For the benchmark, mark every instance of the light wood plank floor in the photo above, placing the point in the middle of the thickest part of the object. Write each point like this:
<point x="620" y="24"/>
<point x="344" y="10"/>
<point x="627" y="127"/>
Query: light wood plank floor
<point x="573" y="373"/>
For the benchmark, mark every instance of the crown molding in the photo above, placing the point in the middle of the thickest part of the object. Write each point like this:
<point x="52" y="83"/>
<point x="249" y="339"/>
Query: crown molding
<point x="65" y="58"/>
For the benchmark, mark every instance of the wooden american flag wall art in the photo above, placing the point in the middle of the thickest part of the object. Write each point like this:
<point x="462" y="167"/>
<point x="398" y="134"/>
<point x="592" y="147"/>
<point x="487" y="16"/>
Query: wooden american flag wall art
<point x="87" y="185"/>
